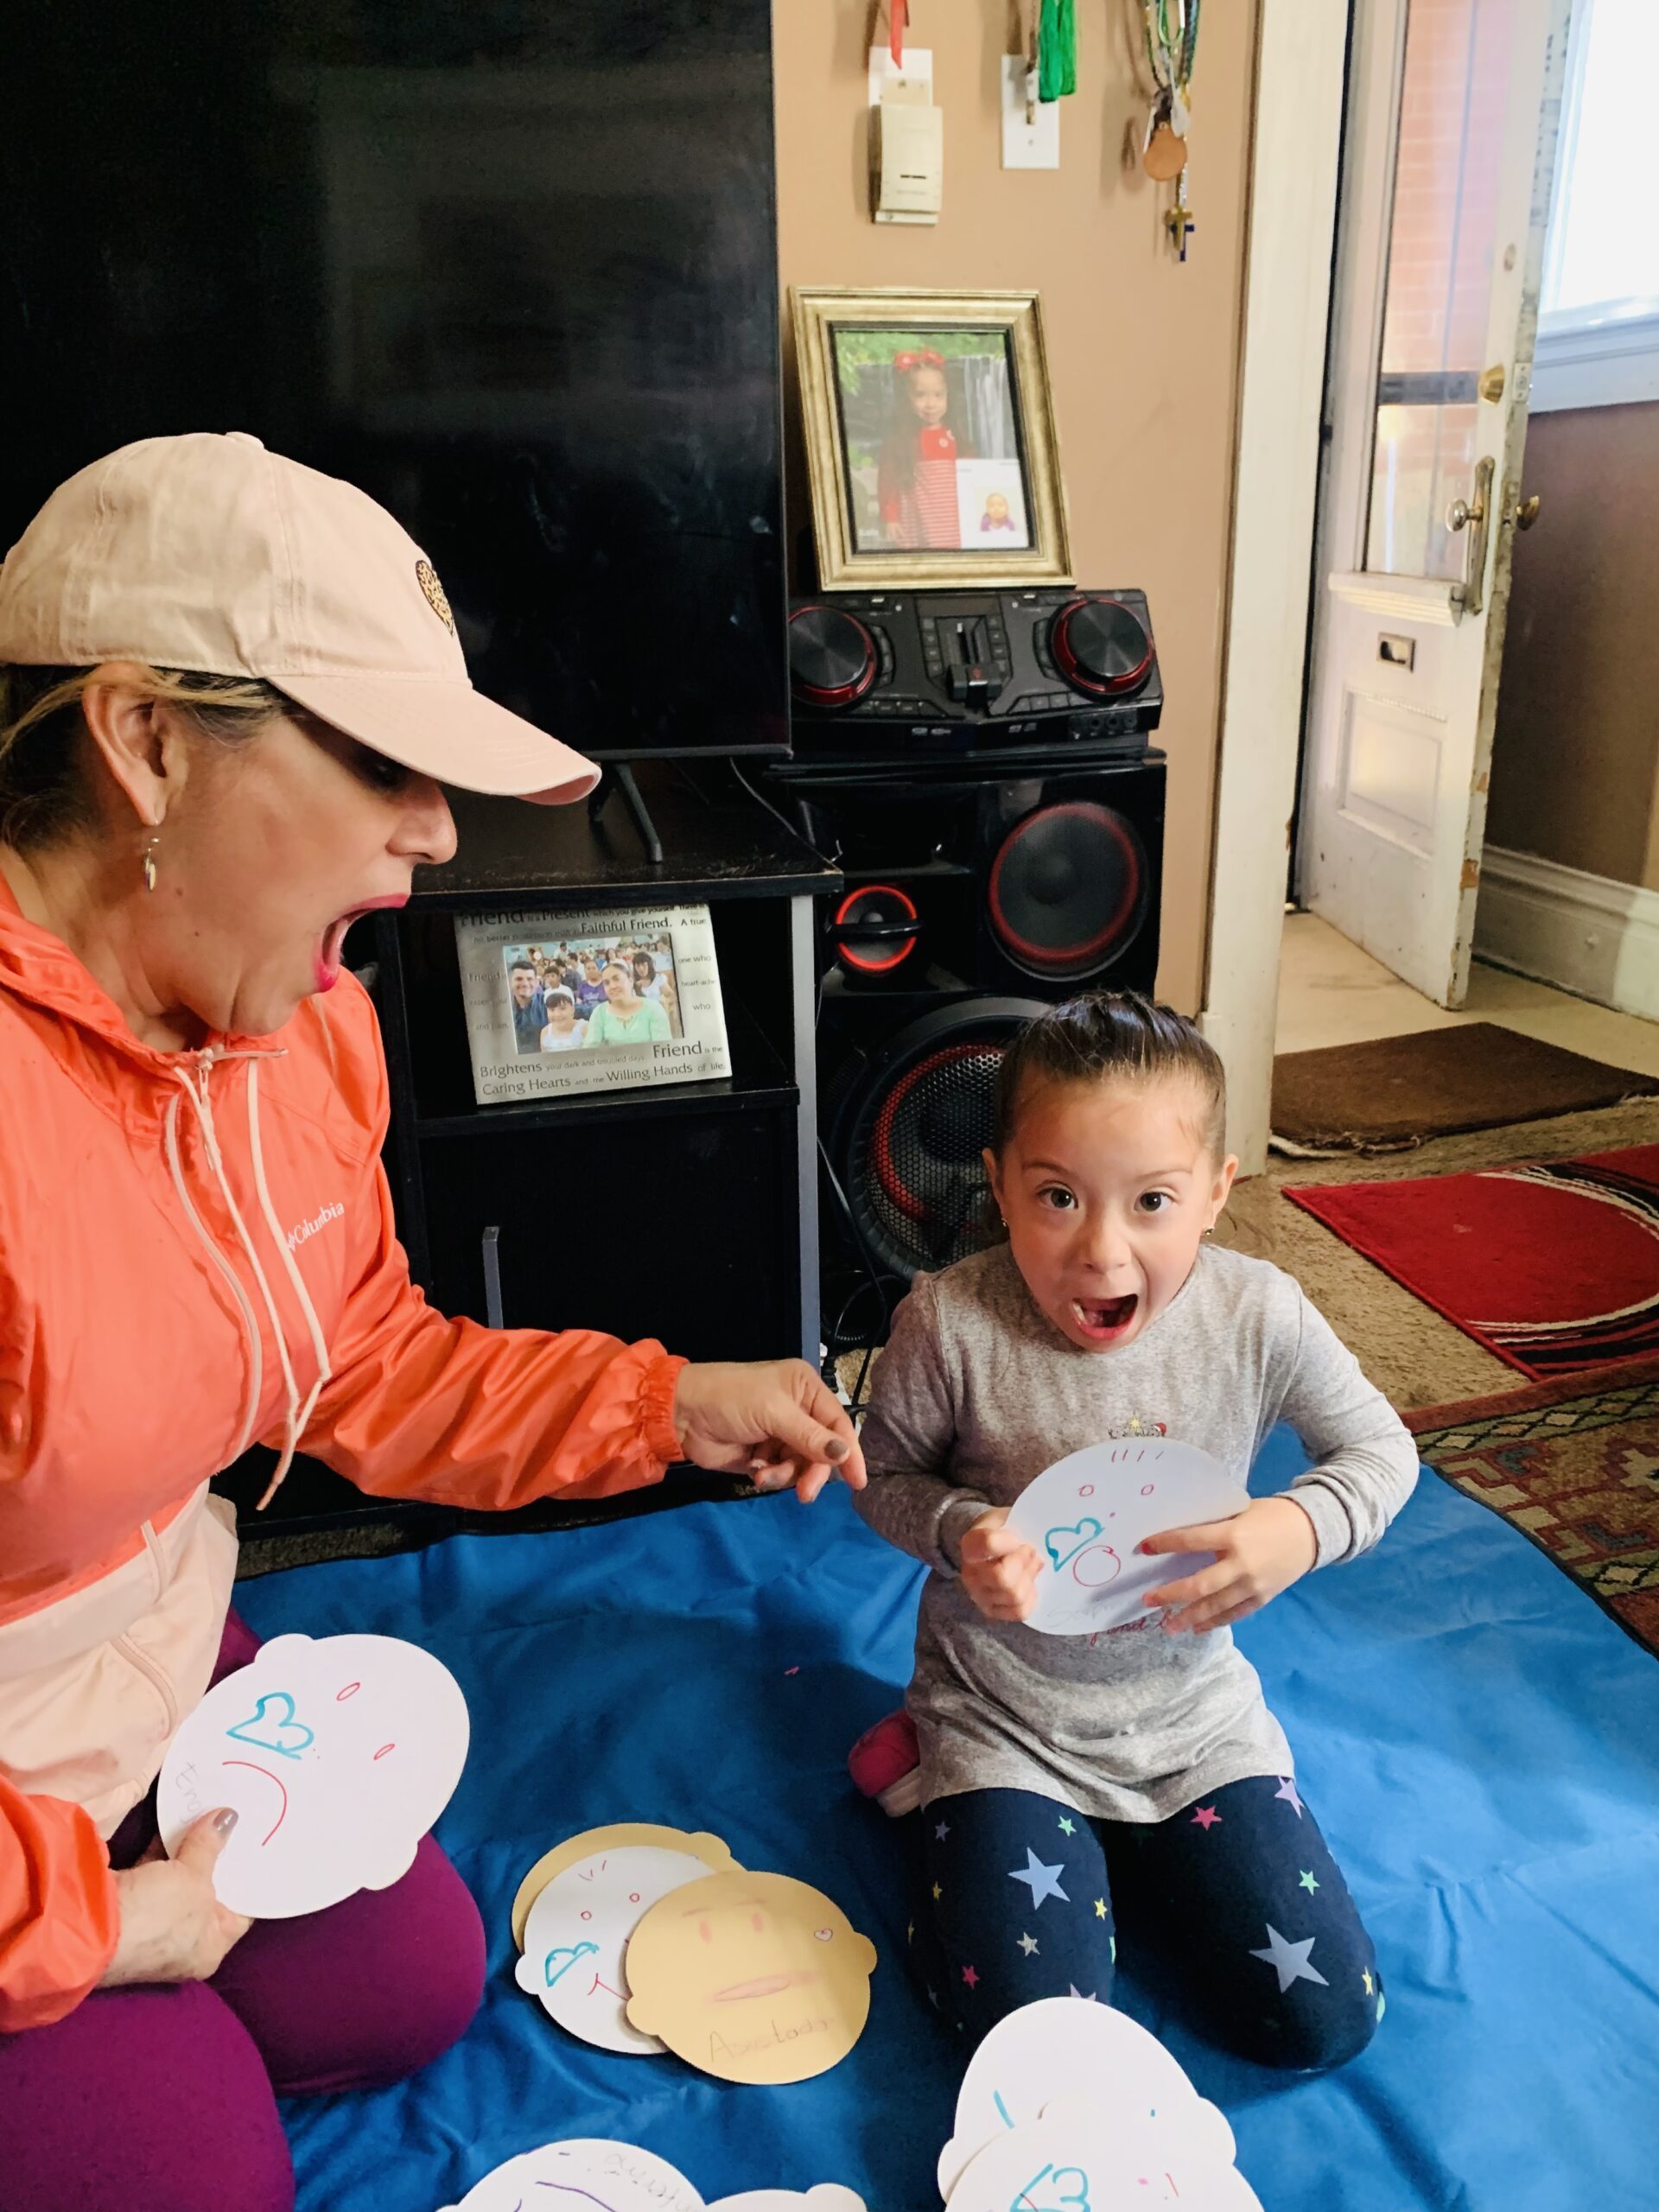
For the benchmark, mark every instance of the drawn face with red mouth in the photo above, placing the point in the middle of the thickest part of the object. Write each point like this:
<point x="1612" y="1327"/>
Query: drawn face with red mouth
<point x="753" y="1977"/>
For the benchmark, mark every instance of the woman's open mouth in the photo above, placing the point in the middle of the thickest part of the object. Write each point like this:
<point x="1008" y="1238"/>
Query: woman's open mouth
<point x="1104" y="1320"/>
<point x="331" y="945"/>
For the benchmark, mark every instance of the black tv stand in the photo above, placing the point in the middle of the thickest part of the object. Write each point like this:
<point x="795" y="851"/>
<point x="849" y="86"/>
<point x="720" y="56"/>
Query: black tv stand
<point x="617" y="776"/>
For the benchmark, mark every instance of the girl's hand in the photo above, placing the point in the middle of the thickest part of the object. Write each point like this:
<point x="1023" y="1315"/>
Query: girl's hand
<point x="774" y="1418"/>
<point x="894" y="532"/>
<point x="999" y="1572"/>
<point x="1258" y="1553"/>
<point x="173" y="1928"/>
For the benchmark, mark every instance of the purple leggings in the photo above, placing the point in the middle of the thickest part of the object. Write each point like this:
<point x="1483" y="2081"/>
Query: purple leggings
<point x="164" y="2099"/>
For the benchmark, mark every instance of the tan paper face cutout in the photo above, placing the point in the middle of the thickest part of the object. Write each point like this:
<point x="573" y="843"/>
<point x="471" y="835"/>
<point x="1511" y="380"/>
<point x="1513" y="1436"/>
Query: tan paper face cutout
<point x="715" y="1856"/>
<point x="751" y="1977"/>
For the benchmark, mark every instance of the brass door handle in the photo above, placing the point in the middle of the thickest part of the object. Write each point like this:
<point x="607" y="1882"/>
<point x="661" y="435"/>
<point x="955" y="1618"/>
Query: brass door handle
<point x="1469" y="595"/>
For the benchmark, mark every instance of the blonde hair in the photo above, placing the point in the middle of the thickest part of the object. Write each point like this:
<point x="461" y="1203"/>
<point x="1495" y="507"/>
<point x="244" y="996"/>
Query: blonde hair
<point x="43" y="796"/>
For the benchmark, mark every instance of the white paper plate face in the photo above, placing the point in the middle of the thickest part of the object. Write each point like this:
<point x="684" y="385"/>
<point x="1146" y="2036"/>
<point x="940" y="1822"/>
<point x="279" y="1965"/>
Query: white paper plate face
<point x="1093" y="2166"/>
<point x="580" y="2175"/>
<point x="1086" y="1515"/>
<point x="338" y="1752"/>
<point x="1069" y="2053"/>
<point x="829" y="2197"/>
<point x="576" y="1939"/>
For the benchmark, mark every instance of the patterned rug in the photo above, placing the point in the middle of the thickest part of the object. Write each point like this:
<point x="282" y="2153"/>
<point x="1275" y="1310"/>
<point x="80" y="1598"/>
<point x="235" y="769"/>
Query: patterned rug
<point x="1575" y="1466"/>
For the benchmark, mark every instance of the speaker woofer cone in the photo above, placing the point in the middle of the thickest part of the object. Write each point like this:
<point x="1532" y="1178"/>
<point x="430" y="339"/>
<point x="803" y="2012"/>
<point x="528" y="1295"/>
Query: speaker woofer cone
<point x="1068" y="891"/>
<point x="911" y="1136"/>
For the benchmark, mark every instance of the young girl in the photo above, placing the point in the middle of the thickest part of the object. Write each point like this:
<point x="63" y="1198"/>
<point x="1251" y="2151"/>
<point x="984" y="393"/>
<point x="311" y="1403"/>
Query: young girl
<point x="1068" y="1782"/>
<point x="915" y="477"/>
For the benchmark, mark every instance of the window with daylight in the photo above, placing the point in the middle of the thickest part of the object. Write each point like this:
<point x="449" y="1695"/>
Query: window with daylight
<point x="1598" y="319"/>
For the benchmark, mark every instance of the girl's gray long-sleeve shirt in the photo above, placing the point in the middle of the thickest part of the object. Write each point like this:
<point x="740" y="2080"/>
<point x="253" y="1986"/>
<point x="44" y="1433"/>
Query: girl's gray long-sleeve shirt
<point x="978" y="1392"/>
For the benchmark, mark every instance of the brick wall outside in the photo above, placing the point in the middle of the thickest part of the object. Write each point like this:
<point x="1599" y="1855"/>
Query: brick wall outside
<point x="1440" y="272"/>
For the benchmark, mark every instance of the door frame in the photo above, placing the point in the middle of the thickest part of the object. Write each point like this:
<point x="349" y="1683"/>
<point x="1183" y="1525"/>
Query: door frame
<point x="1295" y="169"/>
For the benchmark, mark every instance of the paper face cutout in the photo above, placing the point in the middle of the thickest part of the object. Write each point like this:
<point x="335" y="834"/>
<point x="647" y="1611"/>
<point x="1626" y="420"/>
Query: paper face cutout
<point x="1085" y="1516"/>
<point x="578" y="1931"/>
<point x="339" y="1752"/>
<point x="1088" y="2165"/>
<point x="1064" y="2055"/>
<point x="577" y="2176"/>
<point x="828" y="2198"/>
<point x="715" y="1856"/>
<point x="751" y="1977"/>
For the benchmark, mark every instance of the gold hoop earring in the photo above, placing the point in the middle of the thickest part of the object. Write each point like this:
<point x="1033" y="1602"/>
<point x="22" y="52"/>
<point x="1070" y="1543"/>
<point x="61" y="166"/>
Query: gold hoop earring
<point x="149" y="863"/>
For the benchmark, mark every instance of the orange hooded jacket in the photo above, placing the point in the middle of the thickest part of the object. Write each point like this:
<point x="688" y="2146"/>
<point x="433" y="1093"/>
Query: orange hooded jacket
<point x="196" y="1251"/>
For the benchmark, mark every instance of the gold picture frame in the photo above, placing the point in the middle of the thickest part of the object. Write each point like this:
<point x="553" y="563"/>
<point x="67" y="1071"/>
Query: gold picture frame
<point x="900" y="495"/>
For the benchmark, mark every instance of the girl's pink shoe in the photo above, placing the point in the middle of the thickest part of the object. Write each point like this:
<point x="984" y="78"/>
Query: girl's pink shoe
<point x="886" y="1764"/>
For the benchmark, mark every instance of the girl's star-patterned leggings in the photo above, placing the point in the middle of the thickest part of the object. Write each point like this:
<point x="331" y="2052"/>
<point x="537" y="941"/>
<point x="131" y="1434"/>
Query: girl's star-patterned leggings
<point x="1237" y="1894"/>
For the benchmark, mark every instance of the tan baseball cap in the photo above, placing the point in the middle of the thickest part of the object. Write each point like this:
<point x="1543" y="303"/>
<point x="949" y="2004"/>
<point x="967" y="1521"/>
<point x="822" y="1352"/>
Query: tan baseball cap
<point x="207" y="552"/>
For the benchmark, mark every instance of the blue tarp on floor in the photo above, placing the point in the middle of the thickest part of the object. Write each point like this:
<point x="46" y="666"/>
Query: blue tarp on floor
<point x="1480" y="1744"/>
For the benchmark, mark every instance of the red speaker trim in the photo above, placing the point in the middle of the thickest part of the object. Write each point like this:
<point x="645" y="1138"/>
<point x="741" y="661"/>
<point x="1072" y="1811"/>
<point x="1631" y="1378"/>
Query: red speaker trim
<point x="907" y="945"/>
<point x="838" y="695"/>
<point x="1048" y="956"/>
<point x="1072" y="669"/>
<point x="880" y="1137"/>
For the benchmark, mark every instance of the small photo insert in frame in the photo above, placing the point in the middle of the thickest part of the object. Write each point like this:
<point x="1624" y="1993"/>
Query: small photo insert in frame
<point x="558" y="1004"/>
<point x="931" y="444"/>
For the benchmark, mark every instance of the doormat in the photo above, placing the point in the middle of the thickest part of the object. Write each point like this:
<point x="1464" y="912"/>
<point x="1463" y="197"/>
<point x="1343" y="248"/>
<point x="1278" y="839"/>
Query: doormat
<point x="1393" y="1093"/>
<point x="1574" y="1465"/>
<point x="1554" y="1266"/>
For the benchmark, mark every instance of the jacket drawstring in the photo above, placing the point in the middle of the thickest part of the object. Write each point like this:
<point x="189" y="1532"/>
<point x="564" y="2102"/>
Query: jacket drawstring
<point x="193" y="1086"/>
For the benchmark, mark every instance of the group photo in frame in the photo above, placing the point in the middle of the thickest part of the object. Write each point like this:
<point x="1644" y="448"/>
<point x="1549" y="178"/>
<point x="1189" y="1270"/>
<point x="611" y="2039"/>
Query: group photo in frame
<point x="930" y="439"/>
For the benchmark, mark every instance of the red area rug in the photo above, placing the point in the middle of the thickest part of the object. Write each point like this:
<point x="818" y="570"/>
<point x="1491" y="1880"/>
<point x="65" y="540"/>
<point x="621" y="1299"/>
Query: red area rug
<point x="1554" y="1266"/>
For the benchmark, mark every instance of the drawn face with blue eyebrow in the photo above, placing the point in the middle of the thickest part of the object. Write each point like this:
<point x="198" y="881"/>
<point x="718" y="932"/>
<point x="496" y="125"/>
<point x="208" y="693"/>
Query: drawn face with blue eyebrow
<point x="578" y="1931"/>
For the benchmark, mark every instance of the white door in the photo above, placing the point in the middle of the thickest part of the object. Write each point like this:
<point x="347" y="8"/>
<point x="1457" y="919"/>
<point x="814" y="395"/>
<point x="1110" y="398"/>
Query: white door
<point x="1453" y="109"/>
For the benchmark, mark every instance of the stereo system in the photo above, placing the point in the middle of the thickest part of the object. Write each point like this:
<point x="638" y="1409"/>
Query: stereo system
<point x="979" y="766"/>
<point x="946" y="674"/>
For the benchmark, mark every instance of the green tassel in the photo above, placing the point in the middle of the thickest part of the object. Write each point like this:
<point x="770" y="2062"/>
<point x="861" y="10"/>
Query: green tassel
<point x="1057" y="50"/>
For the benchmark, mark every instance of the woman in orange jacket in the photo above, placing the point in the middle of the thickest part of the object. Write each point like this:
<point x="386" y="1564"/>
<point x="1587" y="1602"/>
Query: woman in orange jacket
<point x="229" y="689"/>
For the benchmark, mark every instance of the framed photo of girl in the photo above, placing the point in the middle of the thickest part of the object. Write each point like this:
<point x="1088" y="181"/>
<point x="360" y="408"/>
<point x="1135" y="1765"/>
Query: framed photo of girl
<point x="930" y="439"/>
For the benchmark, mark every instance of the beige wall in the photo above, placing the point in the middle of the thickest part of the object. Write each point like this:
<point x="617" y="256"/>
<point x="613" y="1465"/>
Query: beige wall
<point x="1575" y="759"/>
<point x="1143" y="353"/>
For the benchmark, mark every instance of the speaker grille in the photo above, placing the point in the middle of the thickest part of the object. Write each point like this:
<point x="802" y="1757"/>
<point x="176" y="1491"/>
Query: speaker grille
<point x="1069" y="889"/>
<point x="917" y="1127"/>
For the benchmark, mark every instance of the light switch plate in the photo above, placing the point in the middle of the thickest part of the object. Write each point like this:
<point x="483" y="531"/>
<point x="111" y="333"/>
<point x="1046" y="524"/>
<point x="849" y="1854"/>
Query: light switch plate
<point x="915" y="79"/>
<point x="1026" y="145"/>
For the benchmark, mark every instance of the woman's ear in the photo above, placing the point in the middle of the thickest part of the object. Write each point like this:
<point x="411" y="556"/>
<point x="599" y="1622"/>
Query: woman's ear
<point x="136" y="738"/>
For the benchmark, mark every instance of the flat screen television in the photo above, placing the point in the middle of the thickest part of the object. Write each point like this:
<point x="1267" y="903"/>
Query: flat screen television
<point x="510" y="265"/>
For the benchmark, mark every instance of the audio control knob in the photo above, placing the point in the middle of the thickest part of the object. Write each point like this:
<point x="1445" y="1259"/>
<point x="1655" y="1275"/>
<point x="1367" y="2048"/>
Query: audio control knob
<point x="1100" y="646"/>
<point x="832" y="656"/>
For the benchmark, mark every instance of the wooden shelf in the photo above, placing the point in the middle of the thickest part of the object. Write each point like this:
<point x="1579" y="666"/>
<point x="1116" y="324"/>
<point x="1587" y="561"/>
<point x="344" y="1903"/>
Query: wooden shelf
<point x="717" y="844"/>
<point x="715" y="1095"/>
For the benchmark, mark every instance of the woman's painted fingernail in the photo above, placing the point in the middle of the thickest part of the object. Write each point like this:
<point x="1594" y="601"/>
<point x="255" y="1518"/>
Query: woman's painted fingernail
<point x="836" y="1448"/>
<point x="224" y="1820"/>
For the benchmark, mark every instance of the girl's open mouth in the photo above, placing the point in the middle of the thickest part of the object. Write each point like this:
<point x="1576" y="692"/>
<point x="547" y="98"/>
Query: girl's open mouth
<point x="1102" y="1320"/>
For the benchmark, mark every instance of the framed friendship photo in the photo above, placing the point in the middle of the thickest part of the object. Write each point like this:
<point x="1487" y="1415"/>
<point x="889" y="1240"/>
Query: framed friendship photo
<point x="930" y="439"/>
<point x="559" y="1003"/>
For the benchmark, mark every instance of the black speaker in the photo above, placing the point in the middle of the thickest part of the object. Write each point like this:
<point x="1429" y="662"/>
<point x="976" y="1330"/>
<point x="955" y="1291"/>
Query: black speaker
<point x="971" y="902"/>
<point x="1048" y="884"/>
